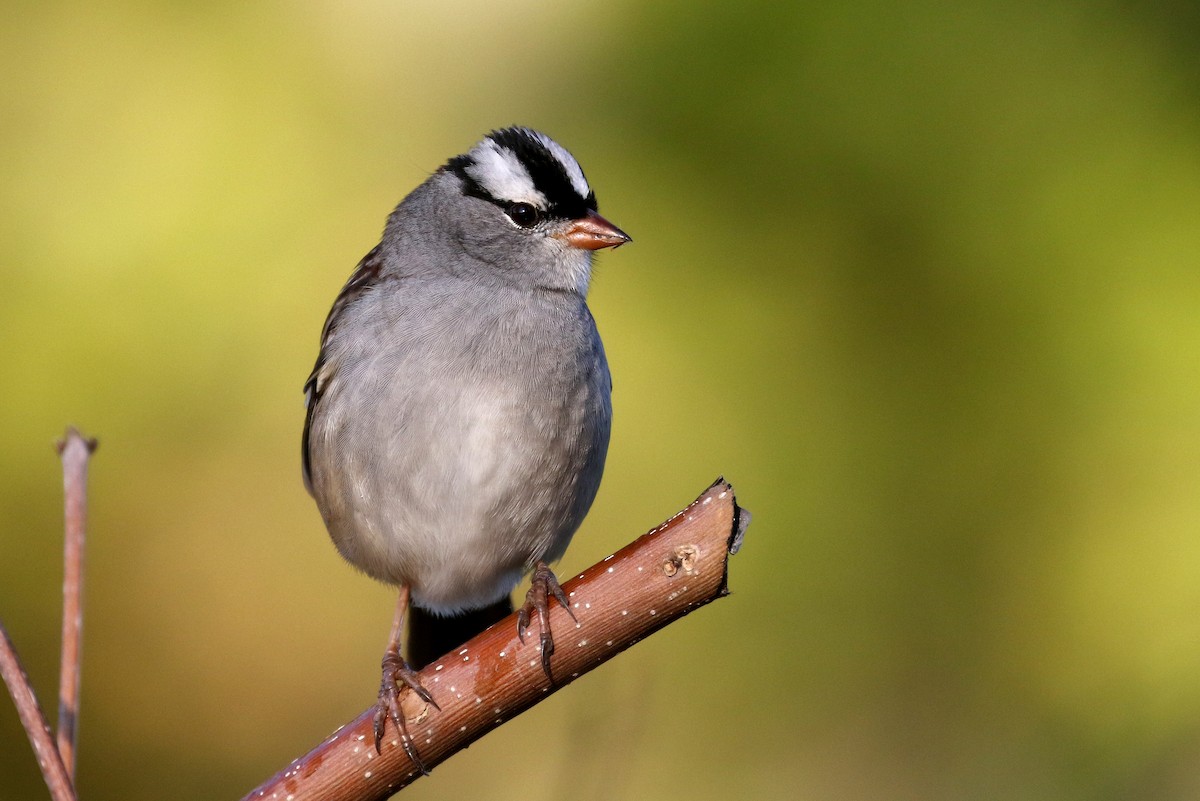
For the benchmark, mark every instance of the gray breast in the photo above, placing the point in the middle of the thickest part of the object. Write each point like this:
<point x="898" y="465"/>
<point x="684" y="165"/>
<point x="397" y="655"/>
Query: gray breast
<point x="453" y="449"/>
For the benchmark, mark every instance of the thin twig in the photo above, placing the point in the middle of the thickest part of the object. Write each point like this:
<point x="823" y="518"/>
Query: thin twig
<point x="74" y="449"/>
<point x="34" y="721"/>
<point x="668" y="572"/>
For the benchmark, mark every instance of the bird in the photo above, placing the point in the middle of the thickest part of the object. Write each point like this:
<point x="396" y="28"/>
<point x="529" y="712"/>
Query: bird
<point x="459" y="412"/>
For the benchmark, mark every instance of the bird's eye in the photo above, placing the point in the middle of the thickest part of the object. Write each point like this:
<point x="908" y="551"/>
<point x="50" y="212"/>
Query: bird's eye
<point x="524" y="215"/>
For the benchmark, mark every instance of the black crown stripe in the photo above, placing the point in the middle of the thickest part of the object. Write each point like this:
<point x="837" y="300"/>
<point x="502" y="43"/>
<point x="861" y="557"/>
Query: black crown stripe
<point x="549" y="175"/>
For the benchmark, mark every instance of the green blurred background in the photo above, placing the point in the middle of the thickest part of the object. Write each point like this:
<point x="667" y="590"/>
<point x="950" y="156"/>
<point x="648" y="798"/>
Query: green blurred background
<point x="923" y="282"/>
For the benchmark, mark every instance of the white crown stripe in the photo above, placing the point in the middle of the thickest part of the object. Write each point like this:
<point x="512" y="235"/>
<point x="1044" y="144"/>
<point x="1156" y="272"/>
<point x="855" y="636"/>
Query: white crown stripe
<point x="502" y="175"/>
<point x="570" y="165"/>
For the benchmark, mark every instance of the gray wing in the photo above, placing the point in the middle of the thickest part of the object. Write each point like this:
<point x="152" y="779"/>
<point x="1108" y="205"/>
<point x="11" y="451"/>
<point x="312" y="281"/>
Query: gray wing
<point x="365" y="275"/>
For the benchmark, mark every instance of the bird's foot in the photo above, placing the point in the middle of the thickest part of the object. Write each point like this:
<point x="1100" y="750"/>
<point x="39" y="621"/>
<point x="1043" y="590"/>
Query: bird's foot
<point x="543" y="585"/>
<point x="395" y="671"/>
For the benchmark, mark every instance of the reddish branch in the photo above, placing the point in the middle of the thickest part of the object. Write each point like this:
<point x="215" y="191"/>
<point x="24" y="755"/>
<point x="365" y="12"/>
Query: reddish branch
<point x="57" y="761"/>
<point x="74" y="449"/>
<point x="668" y="572"/>
<point x="34" y="721"/>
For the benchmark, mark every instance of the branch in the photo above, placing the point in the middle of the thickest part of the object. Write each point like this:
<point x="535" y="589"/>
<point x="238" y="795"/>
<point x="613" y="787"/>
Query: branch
<point x="34" y="721"/>
<point x="674" y="569"/>
<point x="58" y="761"/>
<point x="74" y="449"/>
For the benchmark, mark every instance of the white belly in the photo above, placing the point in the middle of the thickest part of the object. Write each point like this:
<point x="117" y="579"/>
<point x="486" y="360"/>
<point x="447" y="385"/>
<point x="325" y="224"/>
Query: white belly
<point x="459" y="500"/>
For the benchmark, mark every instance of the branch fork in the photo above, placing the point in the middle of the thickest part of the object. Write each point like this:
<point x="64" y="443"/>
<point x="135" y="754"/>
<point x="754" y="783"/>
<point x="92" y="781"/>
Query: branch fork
<point x="56" y="757"/>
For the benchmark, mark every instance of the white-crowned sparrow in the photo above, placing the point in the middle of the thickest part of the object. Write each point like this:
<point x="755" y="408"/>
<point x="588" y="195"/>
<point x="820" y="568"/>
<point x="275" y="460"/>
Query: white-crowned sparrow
<point x="459" y="412"/>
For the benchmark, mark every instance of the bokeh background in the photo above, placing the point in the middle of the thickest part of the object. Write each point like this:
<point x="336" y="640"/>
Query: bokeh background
<point x="923" y="281"/>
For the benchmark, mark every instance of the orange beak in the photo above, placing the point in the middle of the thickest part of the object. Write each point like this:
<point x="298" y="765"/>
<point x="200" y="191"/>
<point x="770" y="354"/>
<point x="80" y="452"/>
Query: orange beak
<point x="593" y="232"/>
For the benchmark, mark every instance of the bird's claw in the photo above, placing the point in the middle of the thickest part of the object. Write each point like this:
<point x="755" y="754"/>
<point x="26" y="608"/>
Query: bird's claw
<point x="543" y="585"/>
<point x="396" y="671"/>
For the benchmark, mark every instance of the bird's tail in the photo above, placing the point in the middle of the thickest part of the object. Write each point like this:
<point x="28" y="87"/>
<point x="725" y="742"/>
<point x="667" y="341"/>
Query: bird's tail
<point x="430" y="636"/>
